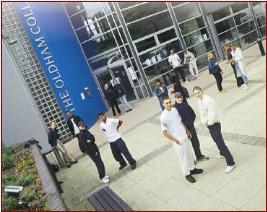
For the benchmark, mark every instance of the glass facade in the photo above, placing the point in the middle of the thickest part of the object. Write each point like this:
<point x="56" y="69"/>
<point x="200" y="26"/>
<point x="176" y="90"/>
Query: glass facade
<point x="154" y="29"/>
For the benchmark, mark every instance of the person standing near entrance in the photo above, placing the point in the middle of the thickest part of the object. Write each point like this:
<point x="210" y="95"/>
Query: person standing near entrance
<point x="57" y="145"/>
<point x="87" y="145"/>
<point x="173" y="129"/>
<point x="121" y="93"/>
<point x="111" y="126"/>
<point x="111" y="98"/>
<point x="177" y="87"/>
<point x="188" y="117"/>
<point x="175" y="62"/>
<point x="161" y="91"/>
<point x="209" y="116"/>
<point x="72" y="123"/>
<point x="239" y="66"/>
<point x="190" y="58"/>
<point x="215" y="70"/>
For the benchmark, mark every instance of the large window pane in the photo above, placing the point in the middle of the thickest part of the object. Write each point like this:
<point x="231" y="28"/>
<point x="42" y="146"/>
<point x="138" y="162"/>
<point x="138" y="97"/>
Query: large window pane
<point x="119" y="35"/>
<point x="243" y="17"/>
<point x="143" y="10"/>
<point x="99" y="45"/>
<point x="186" y="11"/>
<point x="196" y="37"/>
<point x="123" y="5"/>
<point x="201" y="49"/>
<point x="73" y="8"/>
<point x="145" y="44"/>
<point x="192" y="25"/>
<point x="228" y="36"/>
<point x="219" y="14"/>
<point x="113" y="20"/>
<point x="246" y="28"/>
<point x="261" y="21"/>
<point x="263" y="30"/>
<point x="248" y="39"/>
<point x="149" y="25"/>
<point x="224" y="25"/>
<point x="165" y="36"/>
<point x="93" y="10"/>
<point x="259" y="9"/>
<point x="176" y="3"/>
<point x="239" y="6"/>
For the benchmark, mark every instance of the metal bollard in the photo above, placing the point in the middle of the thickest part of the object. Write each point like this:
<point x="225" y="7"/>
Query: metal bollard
<point x="261" y="46"/>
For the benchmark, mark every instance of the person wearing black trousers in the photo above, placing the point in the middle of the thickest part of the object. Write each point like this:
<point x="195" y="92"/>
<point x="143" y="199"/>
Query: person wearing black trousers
<point x="188" y="117"/>
<point x="177" y="87"/>
<point x="87" y="145"/>
<point x="111" y="97"/>
<point x="215" y="70"/>
<point x="209" y="116"/>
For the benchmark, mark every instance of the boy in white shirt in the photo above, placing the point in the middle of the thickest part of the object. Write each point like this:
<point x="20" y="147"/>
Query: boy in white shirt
<point x="173" y="129"/>
<point x="110" y="126"/>
<point x="190" y="58"/>
<point x="209" y="116"/>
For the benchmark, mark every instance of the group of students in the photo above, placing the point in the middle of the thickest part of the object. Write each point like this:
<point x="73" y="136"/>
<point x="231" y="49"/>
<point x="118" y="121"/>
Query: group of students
<point x="113" y="94"/>
<point x="87" y="144"/>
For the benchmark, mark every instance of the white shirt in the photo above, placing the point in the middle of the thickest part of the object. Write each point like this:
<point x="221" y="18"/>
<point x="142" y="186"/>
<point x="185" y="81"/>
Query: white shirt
<point x="174" y="60"/>
<point x="209" y="114"/>
<point x="110" y="129"/>
<point x="237" y="54"/>
<point x="76" y="129"/>
<point x="189" y="57"/>
<point x="172" y="122"/>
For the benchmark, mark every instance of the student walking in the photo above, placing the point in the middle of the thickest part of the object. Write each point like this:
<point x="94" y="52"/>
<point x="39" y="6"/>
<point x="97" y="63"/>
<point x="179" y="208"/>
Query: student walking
<point x="173" y="129"/>
<point x="87" y="145"/>
<point x="57" y="145"/>
<point x="111" y="98"/>
<point x="190" y="59"/>
<point x="239" y="66"/>
<point x="121" y="93"/>
<point x="209" y="116"/>
<point x="161" y="91"/>
<point x="188" y="117"/>
<point x="215" y="70"/>
<point x="111" y="126"/>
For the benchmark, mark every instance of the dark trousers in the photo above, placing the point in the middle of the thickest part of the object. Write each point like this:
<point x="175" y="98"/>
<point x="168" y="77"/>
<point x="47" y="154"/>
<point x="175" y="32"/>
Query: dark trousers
<point x="118" y="148"/>
<point x="177" y="71"/>
<point x="195" y="141"/>
<point x="218" y="78"/>
<point x="99" y="163"/>
<point x="216" y="134"/>
<point x="113" y="104"/>
<point x="239" y="80"/>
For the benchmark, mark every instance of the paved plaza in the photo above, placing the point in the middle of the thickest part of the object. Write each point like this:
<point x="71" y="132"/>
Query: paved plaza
<point x="157" y="183"/>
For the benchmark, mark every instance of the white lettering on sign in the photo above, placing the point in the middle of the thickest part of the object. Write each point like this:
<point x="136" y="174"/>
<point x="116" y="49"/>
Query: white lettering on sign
<point x="50" y="64"/>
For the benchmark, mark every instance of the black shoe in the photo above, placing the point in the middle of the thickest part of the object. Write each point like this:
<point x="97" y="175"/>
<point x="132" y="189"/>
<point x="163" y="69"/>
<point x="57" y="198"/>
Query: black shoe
<point x="202" y="158"/>
<point x="68" y="165"/>
<point x="60" y="182"/>
<point x="122" y="166"/>
<point x="75" y="161"/>
<point x="196" y="171"/>
<point x="190" y="178"/>
<point x="133" y="166"/>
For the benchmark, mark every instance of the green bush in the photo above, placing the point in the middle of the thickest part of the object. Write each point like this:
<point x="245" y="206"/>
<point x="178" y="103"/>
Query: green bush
<point x="7" y="161"/>
<point x="26" y="179"/>
<point x="28" y="195"/>
<point x="9" y="203"/>
<point x="9" y="178"/>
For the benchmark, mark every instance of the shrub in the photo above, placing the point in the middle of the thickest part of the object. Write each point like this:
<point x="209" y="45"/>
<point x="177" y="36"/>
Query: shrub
<point x="7" y="161"/>
<point x="26" y="179"/>
<point x="9" y="202"/>
<point x="8" y="178"/>
<point x="28" y="195"/>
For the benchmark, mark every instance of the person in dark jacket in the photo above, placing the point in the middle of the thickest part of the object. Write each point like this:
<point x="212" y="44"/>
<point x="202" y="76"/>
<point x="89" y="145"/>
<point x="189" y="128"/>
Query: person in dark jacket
<point x="72" y="123"/>
<point x="215" y="70"/>
<point x="177" y="87"/>
<point x="188" y="117"/>
<point x="161" y="91"/>
<point x="121" y="93"/>
<point x="87" y="145"/>
<point x="56" y="143"/>
<point x="111" y="98"/>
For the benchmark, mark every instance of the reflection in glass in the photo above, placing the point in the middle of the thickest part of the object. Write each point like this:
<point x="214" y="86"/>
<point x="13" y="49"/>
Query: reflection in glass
<point x="196" y="37"/>
<point x="261" y="21"/>
<point x="149" y="25"/>
<point x="167" y="35"/>
<point x="145" y="44"/>
<point x="186" y="11"/>
<point x="177" y="3"/>
<point x="123" y="5"/>
<point x="248" y="39"/>
<point x="243" y="17"/>
<point x="221" y="13"/>
<point x="73" y="7"/>
<point x="225" y="25"/>
<point x="236" y="7"/>
<point x="228" y="36"/>
<point x="143" y="10"/>
<point x="94" y="10"/>
<point x="263" y="30"/>
<point x="201" y="49"/>
<point x="192" y="25"/>
<point x="259" y="9"/>
<point x="246" y="28"/>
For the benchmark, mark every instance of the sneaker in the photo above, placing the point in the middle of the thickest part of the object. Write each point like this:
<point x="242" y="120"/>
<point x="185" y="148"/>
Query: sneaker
<point x="229" y="169"/>
<point x="122" y="166"/>
<point x="107" y="177"/>
<point x="202" y="158"/>
<point x="245" y="87"/>
<point x="73" y="162"/>
<point x="190" y="178"/>
<point x="196" y="171"/>
<point x="68" y="165"/>
<point x="186" y="81"/>
<point x="133" y="166"/>
<point x="104" y="180"/>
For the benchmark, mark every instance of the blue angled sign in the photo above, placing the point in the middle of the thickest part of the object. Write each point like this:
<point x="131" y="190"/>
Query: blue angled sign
<point x="61" y="57"/>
